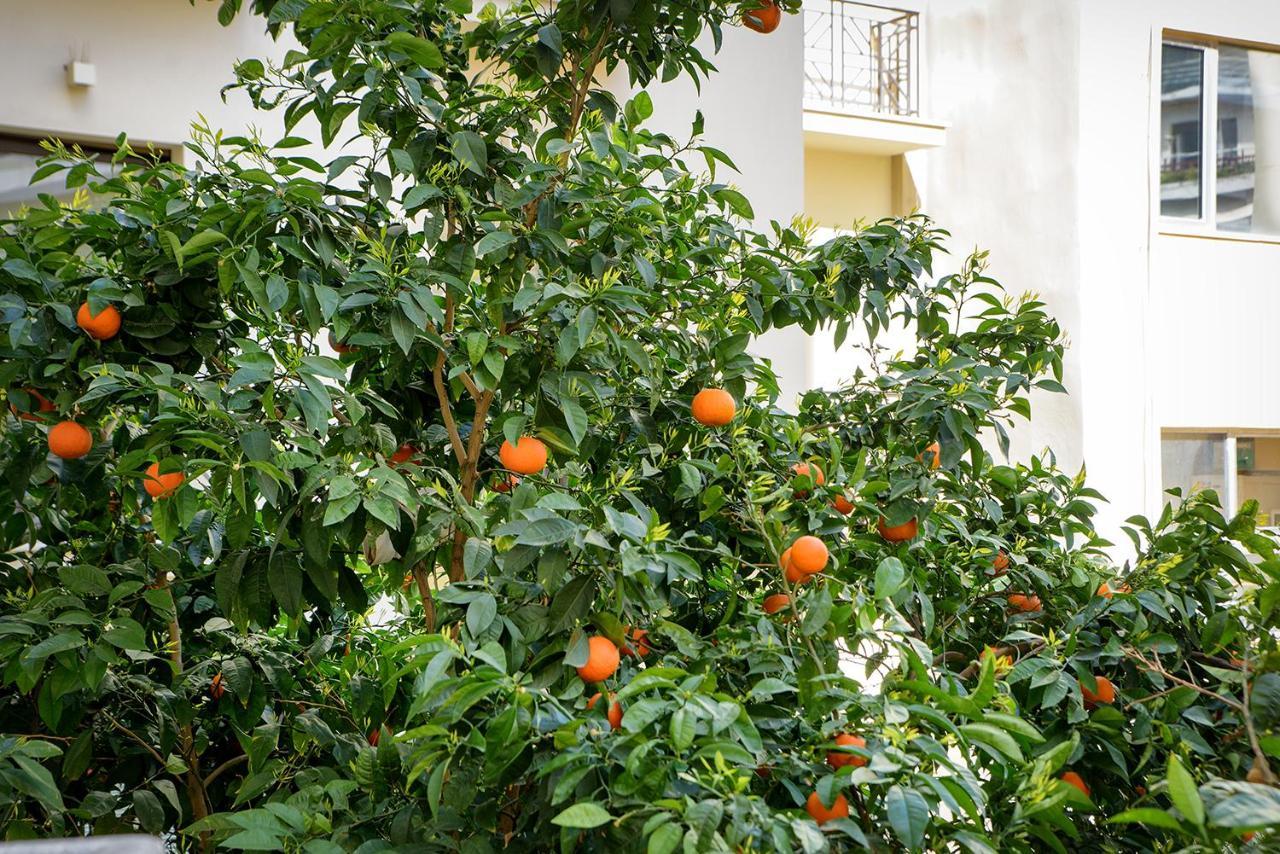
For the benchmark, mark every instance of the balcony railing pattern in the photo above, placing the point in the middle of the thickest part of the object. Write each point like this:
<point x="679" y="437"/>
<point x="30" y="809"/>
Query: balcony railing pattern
<point x="859" y="57"/>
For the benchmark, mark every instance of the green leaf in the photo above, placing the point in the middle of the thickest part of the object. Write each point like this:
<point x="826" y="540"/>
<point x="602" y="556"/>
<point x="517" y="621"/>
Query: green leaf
<point x="583" y="815"/>
<point x="1147" y="815"/>
<point x="481" y="613"/>
<point x="889" y="577"/>
<point x="908" y="815"/>
<point x="493" y="241"/>
<point x="665" y="839"/>
<point x="470" y="150"/>
<point x="996" y="738"/>
<point x="1183" y="792"/>
<point x="420" y="51"/>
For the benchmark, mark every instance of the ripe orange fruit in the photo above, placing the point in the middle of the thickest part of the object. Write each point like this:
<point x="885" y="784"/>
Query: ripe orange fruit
<point x="821" y="813"/>
<point x="602" y="660"/>
<point x="1025" y="604"/>
<point x="404" y="453"/>
<point x="69" y="440"/>
<point x="809" y="554"/>
<point x="811" y="471"/>
<point x="160" y="485"/>
<point x="506" y="484"/>
<point x="713" y="407"/>
<point x="1000" y="565"/>
<point x="613" y="711"/>
<point x="842" y="505"/>
<point x="41" y="403"/>
<point x="898" y="533"/>
<point x="764" y="18"/>
<point x="794" y="575"/>
<point x="775" y="603"/>
<point x="839" y="759"/>
<point x="374" y="736"/>
<point x="935" y="452"/>
<point x="527" y="456"/>
<point x="216" y="688"/>
<point x="338" y="347"/>
<point x="1105" y="591"/>
<point x="1073" y="779"/>
<point x="640" y="638"/>
<point x="1106" y="692"/>
<point x="102" y="326"/>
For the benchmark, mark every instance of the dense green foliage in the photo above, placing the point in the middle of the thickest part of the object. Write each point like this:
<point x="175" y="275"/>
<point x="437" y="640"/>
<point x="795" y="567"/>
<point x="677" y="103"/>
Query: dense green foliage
<point x="347" y="629"/>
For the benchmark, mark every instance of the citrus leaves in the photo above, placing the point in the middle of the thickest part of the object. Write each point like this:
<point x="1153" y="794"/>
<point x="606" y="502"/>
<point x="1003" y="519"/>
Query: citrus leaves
<point x="417" y="50"/>
<point x="582" y="815"/>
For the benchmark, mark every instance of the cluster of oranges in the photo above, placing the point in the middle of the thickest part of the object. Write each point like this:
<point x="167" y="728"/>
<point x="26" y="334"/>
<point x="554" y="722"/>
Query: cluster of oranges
<point x="603" y="660"/>
<point x="71" y="440"/>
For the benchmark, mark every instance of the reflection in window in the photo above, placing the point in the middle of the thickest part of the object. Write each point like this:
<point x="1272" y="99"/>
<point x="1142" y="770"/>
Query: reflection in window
<point x="1181" y="90"/>
<point x="1248" y="140"/>
<point x="1192" y="462"/>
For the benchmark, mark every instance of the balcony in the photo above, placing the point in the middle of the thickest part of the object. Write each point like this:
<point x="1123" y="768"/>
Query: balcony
<point x="862" y="79"/>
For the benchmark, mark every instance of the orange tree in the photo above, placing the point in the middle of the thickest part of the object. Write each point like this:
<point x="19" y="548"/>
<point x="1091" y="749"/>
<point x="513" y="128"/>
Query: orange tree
<point x="430" y="498"/>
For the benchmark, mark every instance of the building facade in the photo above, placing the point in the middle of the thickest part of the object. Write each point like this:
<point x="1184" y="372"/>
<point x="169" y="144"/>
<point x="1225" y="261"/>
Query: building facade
<point x="1120" y="159"/>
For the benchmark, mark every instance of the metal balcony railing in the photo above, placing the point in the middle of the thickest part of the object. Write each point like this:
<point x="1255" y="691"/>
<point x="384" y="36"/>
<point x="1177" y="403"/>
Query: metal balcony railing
<point x="860" y="58"/>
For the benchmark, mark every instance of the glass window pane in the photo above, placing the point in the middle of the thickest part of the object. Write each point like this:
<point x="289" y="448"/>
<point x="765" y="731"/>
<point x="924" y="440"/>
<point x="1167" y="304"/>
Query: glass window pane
<point x="1181" y="92"/>
<point x="1192" y="462"/>
<point x="1248" y="140"/>
<point x="1258" y="468"/>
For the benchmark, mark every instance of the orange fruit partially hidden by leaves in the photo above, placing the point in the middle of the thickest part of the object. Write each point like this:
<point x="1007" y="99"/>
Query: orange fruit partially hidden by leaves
<point x="842" y="505"/>
<point x="1071" y="778"/>
<point x="1106" y="692"/>
<point x="69" y="440"/>
<point x="775" y="603"/>
<point x="713" y="407"/>
<point x="527" y="456"/>
<point x="613" y="712"/>
<point x="640" y="637"/>
<point x="934" y="454"/>
<point x="898" y="533"/>
<point x="821" y="813"/>
<point x="839" y="759"/>
<point x="1000" y="565"/>
<point x="41" y="403"/>
<point x="1024" y="603"/>
<point x="404" y="453"/>
<point x="811" y="471"/>
<point x="506" y="484"/>
<point x="602" y="660"/>
<point x="809" y="554"/>
<point x="1105" y="591"/>
<point x="216" y="688"/>
<point x="375" y="736"/>
<point x="103" y="326"/>
<point x="160" y="485"/>
<point x="764" y="18"/>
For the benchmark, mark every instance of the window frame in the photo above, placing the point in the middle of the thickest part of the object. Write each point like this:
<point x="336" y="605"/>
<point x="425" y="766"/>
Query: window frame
<point x="1205" y="225"/>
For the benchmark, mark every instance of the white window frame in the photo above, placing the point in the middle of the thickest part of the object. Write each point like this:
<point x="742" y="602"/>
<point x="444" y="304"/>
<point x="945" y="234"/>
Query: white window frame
<point x="1206" y="225"/>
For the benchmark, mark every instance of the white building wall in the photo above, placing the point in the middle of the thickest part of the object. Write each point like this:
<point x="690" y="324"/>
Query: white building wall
<point x="159" y="63"/>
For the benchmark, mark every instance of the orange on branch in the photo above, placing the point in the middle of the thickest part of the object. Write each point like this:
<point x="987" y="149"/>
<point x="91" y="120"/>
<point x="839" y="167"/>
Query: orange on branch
<point x="338" y="347"/>
<point x="216" y="688"/>
<point x="898" y="533"/>
<point x="506" y="484"/>
<point x="839" y="759"/>
<point x="821" y="813"/>
<point x="1106" y="692"/>
<point x="713" y="407"/>
<point x="934" y="454"/>
<point x="640" y="637"/>
<point x="69" y="440"/>
<point x="613" y="710"/>
<point x="101" y="326"/>
<point x="775" y="603"/>
<point x="1071" y="778"/>
<point x="842" y="505"/>
<point x="1024" y="603"/>
<point x="809" y="554"/>
<point x="163" y="485"/>
<point x="811" y="471"/>
<point x="764" y="18"/>
<point x="404" y="453"/>
<point x="602" y="660"/>
<point x="42" y="406"/>
<point x="1000" y="565"/>
<point x="527" y="456"/>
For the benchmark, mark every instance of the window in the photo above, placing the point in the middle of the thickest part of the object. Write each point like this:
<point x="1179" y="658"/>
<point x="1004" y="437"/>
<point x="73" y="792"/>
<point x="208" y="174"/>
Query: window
<point x="19" y="156"/>
<point x="1239" y="468"/>
<point x="1222" y="99"/>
